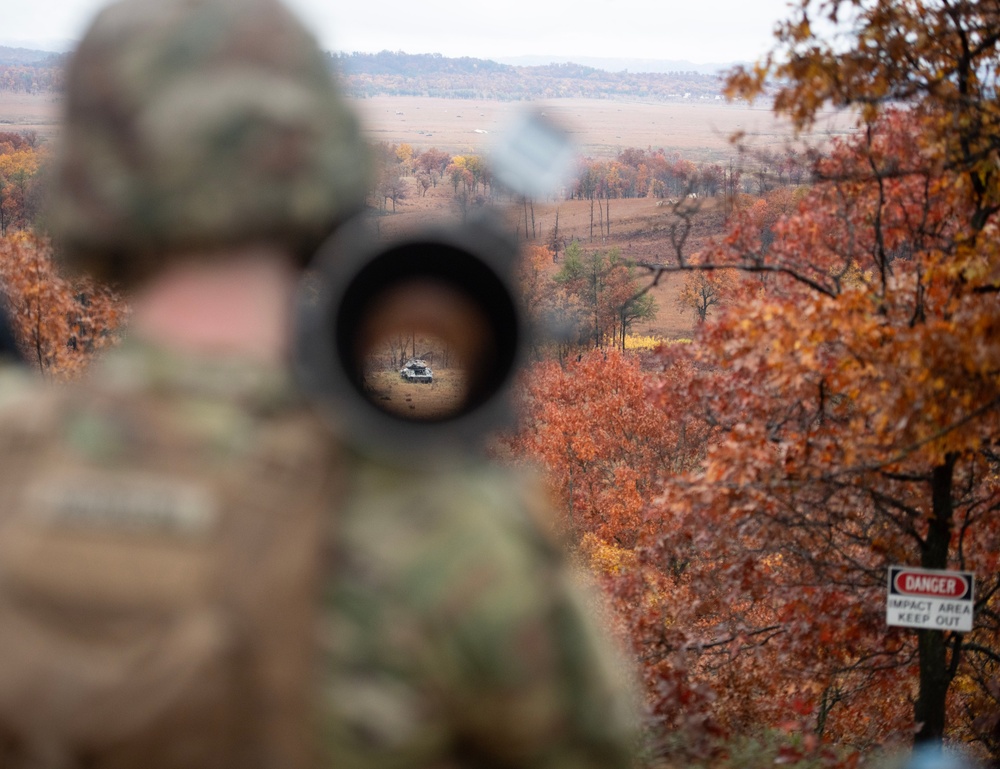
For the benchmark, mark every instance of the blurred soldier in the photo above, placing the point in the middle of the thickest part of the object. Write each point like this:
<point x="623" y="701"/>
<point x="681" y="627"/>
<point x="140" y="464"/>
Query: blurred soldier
<point x="160" y="542"/>
<point x="165" y="525"/>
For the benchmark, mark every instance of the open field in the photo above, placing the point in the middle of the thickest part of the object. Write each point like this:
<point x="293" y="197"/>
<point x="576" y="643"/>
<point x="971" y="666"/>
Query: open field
<point x="699" y="130"/>
<point x="24" y="112"/>
<point x="638" y="229"/>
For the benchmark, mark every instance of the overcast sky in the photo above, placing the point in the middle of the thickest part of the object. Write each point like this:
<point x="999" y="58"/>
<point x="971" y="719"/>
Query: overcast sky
<point x="700" y="31"/>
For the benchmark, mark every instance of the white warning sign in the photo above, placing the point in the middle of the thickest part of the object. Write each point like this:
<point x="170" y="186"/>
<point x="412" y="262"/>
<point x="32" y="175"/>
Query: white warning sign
<point x="930" y="599"/>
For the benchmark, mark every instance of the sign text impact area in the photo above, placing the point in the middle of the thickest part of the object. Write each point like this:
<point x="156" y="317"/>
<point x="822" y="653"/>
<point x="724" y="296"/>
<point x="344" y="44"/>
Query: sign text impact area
<point x="930" y="599"/>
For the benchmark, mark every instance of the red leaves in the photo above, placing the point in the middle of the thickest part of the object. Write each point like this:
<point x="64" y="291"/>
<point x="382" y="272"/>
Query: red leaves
<point x="603" y="445"/>
<point x="833" y="396"/>
<point x="843" y="413"/>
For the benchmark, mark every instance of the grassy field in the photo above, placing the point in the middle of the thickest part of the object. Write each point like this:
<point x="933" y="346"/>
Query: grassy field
<point x="24" y="112"/>
<point x="699" y="131"/>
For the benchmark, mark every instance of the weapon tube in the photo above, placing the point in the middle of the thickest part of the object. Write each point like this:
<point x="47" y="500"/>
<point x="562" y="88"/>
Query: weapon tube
<point x="411" y="346"/>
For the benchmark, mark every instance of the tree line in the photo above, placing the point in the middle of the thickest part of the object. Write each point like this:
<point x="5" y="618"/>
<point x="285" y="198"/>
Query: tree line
<point x="27" y="71"/>
<point x="394" y="73"/>
<point x="22" y="174"/>
<point x="401" y="74"/>
<point x="58" y="322"/>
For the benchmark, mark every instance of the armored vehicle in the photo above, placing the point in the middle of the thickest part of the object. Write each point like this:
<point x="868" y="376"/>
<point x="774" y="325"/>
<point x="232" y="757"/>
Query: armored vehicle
<point x="417" y="370"/>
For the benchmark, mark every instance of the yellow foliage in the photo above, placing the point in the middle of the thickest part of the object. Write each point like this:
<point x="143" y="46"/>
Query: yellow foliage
<point x="605" y="558"/>
<point x="650" y="342"/>
<point x="21" y="161"/>
<point x="636" y="342"/>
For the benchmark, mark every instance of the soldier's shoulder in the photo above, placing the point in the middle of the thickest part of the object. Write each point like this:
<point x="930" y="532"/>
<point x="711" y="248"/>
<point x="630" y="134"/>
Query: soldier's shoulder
<point x="475" y="495"/>
<point x="413" y="527"/>
<point x="28" y="403"/>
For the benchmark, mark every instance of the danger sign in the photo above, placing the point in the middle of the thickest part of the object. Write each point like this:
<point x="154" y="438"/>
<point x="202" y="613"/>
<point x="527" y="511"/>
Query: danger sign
<point x="926" y="598"/>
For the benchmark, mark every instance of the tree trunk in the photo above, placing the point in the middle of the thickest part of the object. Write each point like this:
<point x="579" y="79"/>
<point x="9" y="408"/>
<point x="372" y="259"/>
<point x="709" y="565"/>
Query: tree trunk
<point x="935" y="676"/>
<point x="555" y="239"/>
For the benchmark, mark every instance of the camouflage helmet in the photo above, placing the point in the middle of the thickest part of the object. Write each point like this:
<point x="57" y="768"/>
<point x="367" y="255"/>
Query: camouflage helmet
<point x="196" y="125"/>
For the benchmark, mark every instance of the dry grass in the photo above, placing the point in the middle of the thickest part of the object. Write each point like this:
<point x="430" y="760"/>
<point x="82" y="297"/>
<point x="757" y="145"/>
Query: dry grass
<point x="699" y="131"/>
<point x="23" y="112"/>
<point x="441" y="398"/>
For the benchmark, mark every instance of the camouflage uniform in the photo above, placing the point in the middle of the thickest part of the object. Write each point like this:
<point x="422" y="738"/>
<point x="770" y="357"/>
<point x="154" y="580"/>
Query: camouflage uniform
<point x="456" y="636"/>
<point x="452" y="632"/>
<point x="160" y="540"/>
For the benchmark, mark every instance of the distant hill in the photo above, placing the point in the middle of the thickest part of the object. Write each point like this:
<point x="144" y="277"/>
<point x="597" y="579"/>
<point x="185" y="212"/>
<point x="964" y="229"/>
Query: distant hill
<point x="41" y="45"/>
<point x="402" y="74"/>
<point x="25" y="70"/>
<point x="28" y="56"/>
<point x="608" y="64"/>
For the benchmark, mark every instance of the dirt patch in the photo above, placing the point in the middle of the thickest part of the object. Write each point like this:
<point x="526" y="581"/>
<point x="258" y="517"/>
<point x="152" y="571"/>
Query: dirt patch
<point x="437" y="400"/>
<point x="641" y="232"/>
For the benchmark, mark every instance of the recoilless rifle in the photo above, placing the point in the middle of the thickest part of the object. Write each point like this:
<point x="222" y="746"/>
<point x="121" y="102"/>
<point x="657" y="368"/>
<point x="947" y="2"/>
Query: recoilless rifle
<point x="453" y="284"/>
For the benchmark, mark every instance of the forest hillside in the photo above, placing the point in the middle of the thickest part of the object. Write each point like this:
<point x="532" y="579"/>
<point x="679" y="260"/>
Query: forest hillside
<point x="398" y="73"/>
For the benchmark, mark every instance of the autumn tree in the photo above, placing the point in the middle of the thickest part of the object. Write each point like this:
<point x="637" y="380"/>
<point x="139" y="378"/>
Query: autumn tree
<point x="939" y="412"/>
<point x="604" y="446"/>
<point x="608" y="287"/>
<point x="557" y="315"/>
<point x="855" y="400"/>
<point x="711" y="180"/>
<point x="59" y="324"/>
<point x="607" y="433"/>
<point x="389" y="184"/>
<point x="433" y="162"/>
<point x="704" y="289"/>
<point x="404" y="153"/>
<point x="21" y="159"/>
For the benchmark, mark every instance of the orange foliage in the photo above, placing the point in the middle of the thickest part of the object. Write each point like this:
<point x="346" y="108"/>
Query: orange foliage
<point x="841" y="415"/>
<point x="743" y="502"/>
<point x="603" y="445"/>
<point x="20" y="162"/>
<point x="854" y="401"/>
<point x="59" y="324"/>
